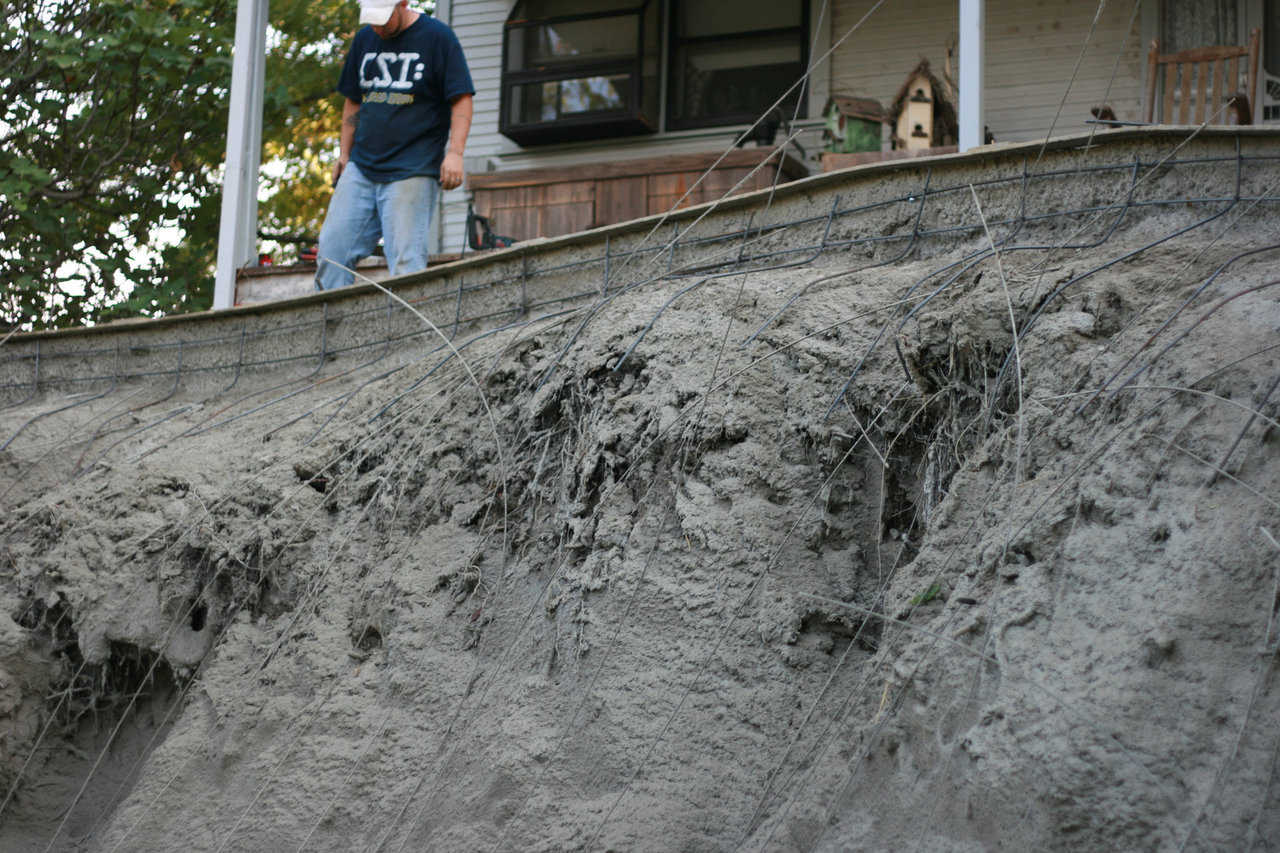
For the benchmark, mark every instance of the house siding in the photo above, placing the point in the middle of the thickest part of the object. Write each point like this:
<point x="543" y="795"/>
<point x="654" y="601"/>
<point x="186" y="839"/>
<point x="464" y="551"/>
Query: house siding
<point x="478" y="25"/>
<point x="1031" y="57"/>
<point x="1031" y="49"/>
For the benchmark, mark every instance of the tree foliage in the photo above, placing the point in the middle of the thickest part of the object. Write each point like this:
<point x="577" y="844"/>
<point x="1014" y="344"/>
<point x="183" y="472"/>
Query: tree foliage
<point x="112" y="135"/>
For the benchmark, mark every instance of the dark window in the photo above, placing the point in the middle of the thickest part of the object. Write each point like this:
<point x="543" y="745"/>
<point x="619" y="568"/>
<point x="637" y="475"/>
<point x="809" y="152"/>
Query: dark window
<point x="729" y="63"/>
<point x="1271" y="38"/>
<point x="1270" y="85"/>
<point x="586" y="69"/>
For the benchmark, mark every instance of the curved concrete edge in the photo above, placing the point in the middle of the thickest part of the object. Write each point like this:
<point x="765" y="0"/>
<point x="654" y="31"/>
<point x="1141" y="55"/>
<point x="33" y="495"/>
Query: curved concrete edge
<point x="820" y="182"/>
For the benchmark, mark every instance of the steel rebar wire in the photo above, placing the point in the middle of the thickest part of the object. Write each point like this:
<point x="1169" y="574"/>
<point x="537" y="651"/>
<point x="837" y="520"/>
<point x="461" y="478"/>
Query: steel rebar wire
<point x="810" y="763"/>
<point x="638" y="455"/>
<point x="633" y="597"/>
<point x="1132" y="423"/>
<point x="1115" y="68"/>
<point x="1253" y="417"/>
<point x="972" y="260"/>
<point x="1093" y="25"/>
<point x="802" y="262"/>
<point x="929" y="232"/>
<point x="1168" y="322"/>
<point x="180" y="618"/>
<point x="102" y="428"/>
<point x="35" y="379"/>
<point x="1191" y="262"/>
<point x="77" y="404"/>
<point x="1029" y="325"/>
<point x="915" y="234"/>
<point x="719" y="639"/>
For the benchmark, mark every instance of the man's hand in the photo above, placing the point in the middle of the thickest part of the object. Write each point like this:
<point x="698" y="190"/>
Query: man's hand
<point x="346" y="136"/>
<point x="460" y="111"/>
<point x="451" y="173"/>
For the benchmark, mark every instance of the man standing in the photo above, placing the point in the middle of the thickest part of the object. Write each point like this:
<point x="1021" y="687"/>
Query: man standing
<point x="404" y="130"/>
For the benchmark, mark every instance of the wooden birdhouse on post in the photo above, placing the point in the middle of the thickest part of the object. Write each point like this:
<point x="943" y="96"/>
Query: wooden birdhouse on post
<point x="921" y="115"/>
<point x="852" y="124"/>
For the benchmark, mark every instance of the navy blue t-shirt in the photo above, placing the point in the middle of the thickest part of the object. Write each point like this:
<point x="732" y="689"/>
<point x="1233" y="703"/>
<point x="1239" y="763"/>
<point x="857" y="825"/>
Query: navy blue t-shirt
<point x="404" y="86"/>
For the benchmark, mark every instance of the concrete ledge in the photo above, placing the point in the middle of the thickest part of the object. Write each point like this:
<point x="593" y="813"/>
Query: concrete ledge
<point x="1268" y="136"/>
<point x="883" y="208"/>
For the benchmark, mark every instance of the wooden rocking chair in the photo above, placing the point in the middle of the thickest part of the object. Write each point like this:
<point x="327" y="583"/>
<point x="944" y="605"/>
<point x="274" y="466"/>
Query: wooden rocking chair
<point x="1217" y="72"/>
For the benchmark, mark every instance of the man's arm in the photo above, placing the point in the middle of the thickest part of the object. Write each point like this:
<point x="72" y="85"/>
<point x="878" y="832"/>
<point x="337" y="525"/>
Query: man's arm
<point x="347" y="136"/>
<point x="460" y="112"/>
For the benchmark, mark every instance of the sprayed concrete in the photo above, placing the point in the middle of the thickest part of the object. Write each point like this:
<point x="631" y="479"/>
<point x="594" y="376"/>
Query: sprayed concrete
<point x="673" y="602"/>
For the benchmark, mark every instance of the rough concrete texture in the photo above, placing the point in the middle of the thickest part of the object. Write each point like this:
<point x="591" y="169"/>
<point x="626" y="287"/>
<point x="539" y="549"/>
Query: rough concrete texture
<point x="670" y="603"/>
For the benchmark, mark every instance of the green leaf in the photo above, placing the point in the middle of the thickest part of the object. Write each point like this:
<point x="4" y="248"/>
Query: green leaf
<point x="927" y="595"/>
<point x="146" y="91"/>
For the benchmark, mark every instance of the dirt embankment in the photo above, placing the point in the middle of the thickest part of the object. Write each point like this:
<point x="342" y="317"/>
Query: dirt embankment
<point x="706" y="598"/>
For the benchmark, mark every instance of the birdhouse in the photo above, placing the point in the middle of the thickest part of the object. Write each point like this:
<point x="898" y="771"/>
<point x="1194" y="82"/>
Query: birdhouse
<point x="921" y="115"/>
<point x="915" y="122"/>
<point x="852" y="124"/>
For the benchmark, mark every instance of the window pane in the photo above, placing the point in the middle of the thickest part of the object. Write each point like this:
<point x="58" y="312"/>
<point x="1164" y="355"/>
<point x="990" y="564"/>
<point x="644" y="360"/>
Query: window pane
<point x="536" y="10"/>
<point x="597" y="40"/>
<point x="651" y="62"/>
<point x="592" y="94"/>
<point x="534" y="102"/>
<point x="708" y="18"/>
<point x="1271" y="39"/>
<point x="539" y="102"/>
<point x="733" y="78"/>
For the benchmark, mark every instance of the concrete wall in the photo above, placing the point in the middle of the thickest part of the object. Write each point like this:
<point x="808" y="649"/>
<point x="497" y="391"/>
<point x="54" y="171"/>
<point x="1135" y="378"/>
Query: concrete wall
<point x="540" y="277"/>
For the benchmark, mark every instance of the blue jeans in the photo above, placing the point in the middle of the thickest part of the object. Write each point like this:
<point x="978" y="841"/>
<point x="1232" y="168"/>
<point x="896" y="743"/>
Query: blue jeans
<point x="361" y="211"/>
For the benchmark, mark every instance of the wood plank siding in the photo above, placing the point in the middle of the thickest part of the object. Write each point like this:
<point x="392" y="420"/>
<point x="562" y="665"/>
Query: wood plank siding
<point x="549" y="202"/>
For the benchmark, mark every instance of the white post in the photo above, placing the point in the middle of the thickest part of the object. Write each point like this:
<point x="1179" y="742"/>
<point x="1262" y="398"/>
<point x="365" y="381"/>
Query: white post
<point x="438" y="241"/>
<point x="237" y="236"/>
<point x="972" y="24"/>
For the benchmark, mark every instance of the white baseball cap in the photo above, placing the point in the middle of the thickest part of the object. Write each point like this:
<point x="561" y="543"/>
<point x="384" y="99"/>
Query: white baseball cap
<point x="376" y="13"/>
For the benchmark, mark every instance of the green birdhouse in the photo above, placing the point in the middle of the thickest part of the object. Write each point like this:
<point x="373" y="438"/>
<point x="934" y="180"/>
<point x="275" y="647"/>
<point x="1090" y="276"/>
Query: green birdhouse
<point x="853" y="124"/>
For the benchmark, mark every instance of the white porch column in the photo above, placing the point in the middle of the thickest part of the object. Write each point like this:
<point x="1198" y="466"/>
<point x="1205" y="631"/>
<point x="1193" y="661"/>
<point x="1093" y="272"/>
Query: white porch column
<point x="972" y="24"/>
<point x="237" y="236"/>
